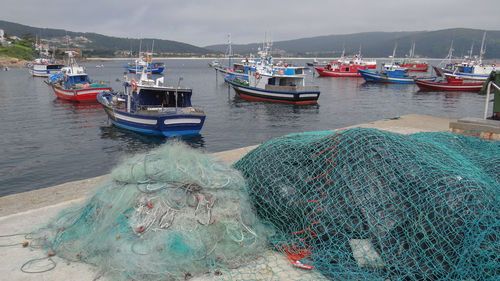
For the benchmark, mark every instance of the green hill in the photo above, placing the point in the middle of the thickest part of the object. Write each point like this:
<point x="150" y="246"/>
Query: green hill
<point x="433" y="44"/>
<point x="101" y="45"/>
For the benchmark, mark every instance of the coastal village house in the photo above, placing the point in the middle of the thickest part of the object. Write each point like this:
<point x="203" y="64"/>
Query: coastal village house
<point x="2" y="39"/>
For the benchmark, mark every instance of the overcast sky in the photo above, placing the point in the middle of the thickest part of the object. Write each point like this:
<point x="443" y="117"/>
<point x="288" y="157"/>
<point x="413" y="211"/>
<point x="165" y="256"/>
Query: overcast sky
<point x="206" y="22"/>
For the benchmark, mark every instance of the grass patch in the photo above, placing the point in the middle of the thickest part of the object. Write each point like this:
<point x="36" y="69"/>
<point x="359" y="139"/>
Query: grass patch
<point x="17" y="51"/>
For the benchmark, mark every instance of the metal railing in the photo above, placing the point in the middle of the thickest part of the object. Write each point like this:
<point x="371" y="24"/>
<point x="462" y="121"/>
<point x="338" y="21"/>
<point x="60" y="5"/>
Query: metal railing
<point x="488" y="90"/>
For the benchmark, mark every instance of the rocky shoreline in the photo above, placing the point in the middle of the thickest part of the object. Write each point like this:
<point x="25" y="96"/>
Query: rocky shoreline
<point x="12" y="62"/>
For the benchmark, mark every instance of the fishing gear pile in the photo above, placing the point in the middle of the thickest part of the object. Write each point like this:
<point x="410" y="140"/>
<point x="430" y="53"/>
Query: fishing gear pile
<point x="364" y="204"/>
<point x="170" y="214"/>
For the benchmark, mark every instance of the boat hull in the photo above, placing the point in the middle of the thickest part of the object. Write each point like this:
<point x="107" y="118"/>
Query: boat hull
<point x="467" y="76"/>
<point x="79" y="95"/>
<point x="416" y="66"/>
<point x="437" y="86"/>
<point x="328" y="73"/>
<point x="371" y="76"/>
<point x="257" y="94"/>
<point x="154" y="70"/>
<point x="42" y="73"/>
<point x="162" y="125"/>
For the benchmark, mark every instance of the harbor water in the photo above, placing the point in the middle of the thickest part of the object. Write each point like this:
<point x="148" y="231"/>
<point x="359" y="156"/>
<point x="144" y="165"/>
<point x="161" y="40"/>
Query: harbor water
<point x="46" y="141"/>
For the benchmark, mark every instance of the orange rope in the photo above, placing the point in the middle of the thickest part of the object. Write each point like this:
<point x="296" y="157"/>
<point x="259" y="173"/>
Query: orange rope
<point x="293" y="253"/>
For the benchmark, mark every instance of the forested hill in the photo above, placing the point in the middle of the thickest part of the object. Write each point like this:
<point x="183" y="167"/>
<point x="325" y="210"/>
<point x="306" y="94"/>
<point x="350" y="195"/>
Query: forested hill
<point x="100" y="44"/>
<point x="434" y="44"/>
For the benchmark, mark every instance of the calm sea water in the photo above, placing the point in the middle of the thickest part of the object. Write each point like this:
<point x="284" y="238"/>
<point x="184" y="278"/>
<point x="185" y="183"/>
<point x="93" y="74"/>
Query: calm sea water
<point x="46" y="141"/>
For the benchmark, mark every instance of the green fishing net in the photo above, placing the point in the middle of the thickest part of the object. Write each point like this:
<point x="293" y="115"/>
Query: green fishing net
<point x="363" y="204"/>
<point x="359" y="204"/>
<point x="170" y="214"/>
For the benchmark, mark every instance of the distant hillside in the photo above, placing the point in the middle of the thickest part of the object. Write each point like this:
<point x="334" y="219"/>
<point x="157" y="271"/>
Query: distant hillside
<point x="434" y="44"/>
<point x="101" y="44"/>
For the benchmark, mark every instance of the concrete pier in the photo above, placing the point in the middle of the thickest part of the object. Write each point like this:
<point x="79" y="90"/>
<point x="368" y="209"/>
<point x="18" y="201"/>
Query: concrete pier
<point x="24" y="212"/>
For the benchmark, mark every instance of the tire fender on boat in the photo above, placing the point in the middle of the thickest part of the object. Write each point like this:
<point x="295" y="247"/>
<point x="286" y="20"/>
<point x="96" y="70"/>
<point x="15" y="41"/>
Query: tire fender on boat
<point x="133" y="84"/>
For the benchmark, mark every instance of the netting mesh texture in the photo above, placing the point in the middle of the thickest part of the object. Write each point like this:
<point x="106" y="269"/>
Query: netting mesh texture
<point x="363" y="204"/>
<point x="359" y="204"/>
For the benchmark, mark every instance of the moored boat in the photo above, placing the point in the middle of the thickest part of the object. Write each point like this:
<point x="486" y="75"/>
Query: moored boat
<point x="147" y="106"/>
<point x="139" y="64"/>
<point x="413" y="65"/>
<point x="450" y="84"/>
<point x="41" y="67"/>
<point x="393" y="74"/>
<point x="73" y="83"/>
<point x="469" y="68"/>
<point x="340" y="70"/>
<point x="275" y="84"/>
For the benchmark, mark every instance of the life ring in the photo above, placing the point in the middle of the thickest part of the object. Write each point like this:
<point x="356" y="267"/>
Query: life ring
<point x="133" y="84"/>
<point x="257" y="75"/>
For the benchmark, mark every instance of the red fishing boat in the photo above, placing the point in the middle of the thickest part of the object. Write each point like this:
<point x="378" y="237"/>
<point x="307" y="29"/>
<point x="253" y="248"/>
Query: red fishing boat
<point x="73" y="83"/>
<point x="415" y="66"/>
<point x="340" y="70"/>
<point x="450" y="84"/>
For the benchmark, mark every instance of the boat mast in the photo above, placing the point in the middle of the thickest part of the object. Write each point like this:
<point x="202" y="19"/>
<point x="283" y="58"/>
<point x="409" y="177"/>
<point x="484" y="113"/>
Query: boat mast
<point x="229" y="50"/>
<point x="151" y="57"/>
<point x="394" y="53"/>
<point x="449" y="56"/>
<point x="483" y="49"/>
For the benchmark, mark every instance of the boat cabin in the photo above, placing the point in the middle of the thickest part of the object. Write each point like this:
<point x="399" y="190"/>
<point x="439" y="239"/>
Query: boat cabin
<point x="286" y="79"/>
<point x="160" y="98"/>
<point x="70" y="80"/>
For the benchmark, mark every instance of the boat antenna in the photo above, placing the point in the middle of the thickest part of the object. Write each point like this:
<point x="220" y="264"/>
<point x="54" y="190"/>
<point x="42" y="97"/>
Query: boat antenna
<point x="483" y="49"/>
<point x="176" y="90"/>
<point x="229" y="49"/>
<point x="151" y="62"/>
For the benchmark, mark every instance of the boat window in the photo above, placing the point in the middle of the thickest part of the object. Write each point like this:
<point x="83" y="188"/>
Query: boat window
<point x="298" y="71"/>
<point x="81" y="79"/>
<point x="347" y="69"/>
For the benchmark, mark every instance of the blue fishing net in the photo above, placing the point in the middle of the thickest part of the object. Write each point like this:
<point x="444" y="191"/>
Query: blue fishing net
<point x="358" y="204"/>
<point x="363" y="204"/>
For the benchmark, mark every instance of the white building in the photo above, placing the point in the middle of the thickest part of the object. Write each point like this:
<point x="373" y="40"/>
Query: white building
<point x="1" y="35"/>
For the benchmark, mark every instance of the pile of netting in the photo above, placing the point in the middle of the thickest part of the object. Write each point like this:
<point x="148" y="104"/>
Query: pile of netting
<point x="170" y="214"/>
<point x="363" y="204"/>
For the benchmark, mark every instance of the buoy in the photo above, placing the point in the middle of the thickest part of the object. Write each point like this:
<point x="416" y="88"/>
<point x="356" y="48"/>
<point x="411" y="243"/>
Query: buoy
<point x="150" y="205"/>
<point x="302" y="266"/>
<point x="140" y="229"/>
<point x="25" y="244"/>
<point x="51" y="253"/>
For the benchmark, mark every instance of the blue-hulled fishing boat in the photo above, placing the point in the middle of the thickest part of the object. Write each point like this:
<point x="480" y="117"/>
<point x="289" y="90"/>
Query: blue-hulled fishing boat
<point x="391" y="74"/>
<point x="152" y="67"/>
<point x="147" y="106"/>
